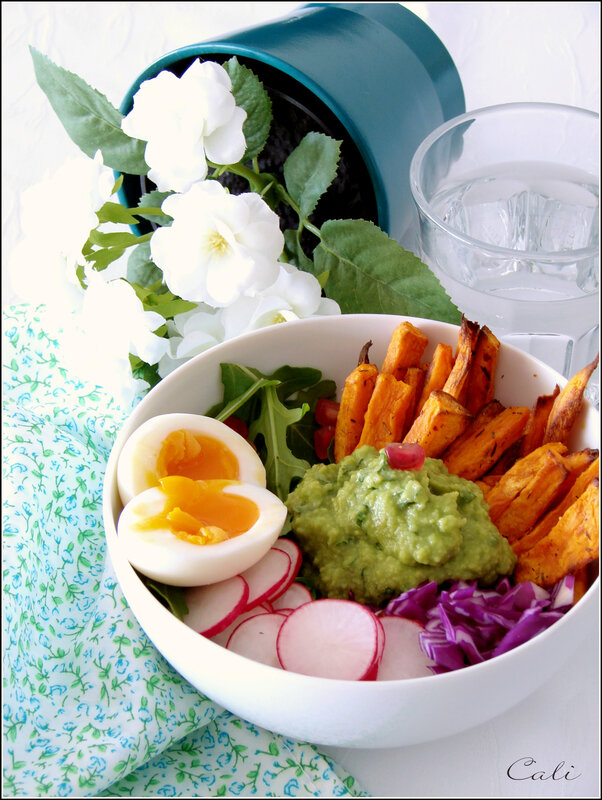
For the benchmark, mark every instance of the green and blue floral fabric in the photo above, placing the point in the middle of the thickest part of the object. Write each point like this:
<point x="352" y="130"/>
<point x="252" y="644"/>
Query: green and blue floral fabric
<point x="90" y="708"/>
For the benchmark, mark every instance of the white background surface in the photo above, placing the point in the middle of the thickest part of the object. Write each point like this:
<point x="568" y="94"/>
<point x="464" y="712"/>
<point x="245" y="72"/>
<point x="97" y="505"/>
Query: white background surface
<point x="504" y="52"/>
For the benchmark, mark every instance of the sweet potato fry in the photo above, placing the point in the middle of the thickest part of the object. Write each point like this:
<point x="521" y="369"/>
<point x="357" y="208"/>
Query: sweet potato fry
<point x="481" y="382"/>
<point x="536" y="426"/>
<point x="414" y="377"/>
<point x="441" y="420"/>
<point x="387" y="414"/>
<point x="475" y="456"/>
<point x="457" y="382"/>
<point x="568" y="405"/>
<point x="571" y="544"/>
<point x="513" y="481"/>
<point x="405" y="349"/>
<point x="355" y="397"/>
<point x="534" y="498"/>
<point x="437" y="373"/>
<point x="547" y="522"/>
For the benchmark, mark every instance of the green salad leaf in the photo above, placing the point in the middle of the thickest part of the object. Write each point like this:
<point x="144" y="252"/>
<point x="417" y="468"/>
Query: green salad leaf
<point x="274" y="407"/>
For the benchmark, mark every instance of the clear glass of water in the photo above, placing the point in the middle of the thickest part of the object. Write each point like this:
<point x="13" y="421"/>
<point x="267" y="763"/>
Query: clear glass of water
<point x="507" y="199"/>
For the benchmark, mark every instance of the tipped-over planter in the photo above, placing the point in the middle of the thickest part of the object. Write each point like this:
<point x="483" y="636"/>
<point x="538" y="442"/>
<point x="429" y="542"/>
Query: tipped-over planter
<point x="372" y="75"/>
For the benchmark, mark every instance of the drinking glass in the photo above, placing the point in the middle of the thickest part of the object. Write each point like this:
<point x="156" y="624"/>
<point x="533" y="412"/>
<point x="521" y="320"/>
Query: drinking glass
<point x="507" y="199"/>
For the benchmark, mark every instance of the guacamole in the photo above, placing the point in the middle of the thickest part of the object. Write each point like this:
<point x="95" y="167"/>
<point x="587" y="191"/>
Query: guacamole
<point x="370" y="532"/>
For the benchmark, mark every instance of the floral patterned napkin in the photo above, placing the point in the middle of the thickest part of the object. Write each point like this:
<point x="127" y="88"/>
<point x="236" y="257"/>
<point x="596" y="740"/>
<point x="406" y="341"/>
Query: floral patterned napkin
<point x="90" y="708"/>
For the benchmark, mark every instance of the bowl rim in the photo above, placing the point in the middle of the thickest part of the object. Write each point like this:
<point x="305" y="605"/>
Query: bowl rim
<point x="584" y="605"/>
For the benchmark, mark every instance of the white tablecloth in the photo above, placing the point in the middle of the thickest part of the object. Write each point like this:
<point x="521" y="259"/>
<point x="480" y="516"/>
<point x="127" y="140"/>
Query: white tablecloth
<point x="504" y="52"/>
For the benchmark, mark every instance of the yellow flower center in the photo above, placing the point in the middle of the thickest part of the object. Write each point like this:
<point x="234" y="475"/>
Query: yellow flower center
<point x="216" y="243"/>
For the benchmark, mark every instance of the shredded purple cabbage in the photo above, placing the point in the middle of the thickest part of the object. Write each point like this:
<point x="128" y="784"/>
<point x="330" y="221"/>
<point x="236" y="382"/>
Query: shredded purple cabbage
<point x="465" y="625"/>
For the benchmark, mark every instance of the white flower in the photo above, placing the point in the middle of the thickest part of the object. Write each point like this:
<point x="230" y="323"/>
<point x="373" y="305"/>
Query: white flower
<point x="294" y="295"/>
<point x="112" y="324"/>
<point x="190" y="333"/>
<point x="186" y="121"/>
<point x="57" y="215"/>
<point x="219" y="246"/>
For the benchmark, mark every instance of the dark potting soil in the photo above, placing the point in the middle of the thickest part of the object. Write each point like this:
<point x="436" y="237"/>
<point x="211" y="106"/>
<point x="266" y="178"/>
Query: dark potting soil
<point x="296" y="111"/>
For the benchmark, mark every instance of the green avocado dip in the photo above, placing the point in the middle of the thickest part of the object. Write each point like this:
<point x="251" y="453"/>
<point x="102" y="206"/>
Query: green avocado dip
<point x="370" y="532"/>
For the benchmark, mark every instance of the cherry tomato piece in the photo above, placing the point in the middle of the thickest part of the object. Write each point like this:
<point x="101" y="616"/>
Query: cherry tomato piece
<point x="237" y="425"/>
<point x="322" y="439"/>
<point x="405" y="456"/>
<point x="326" y="412"/>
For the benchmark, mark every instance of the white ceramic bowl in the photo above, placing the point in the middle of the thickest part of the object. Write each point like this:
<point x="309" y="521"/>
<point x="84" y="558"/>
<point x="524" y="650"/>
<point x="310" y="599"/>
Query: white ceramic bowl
<point x="377" y="714"/>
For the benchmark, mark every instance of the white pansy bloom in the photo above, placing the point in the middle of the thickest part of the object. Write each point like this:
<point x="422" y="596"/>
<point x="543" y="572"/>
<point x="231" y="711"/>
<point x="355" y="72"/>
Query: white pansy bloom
<point x="219" y="245"/>
<point x="294" y="295"/>
<point x="190" y="333"/>
<point x="112" y="324"/>
<point x="57" y="215"/>
<point x="185" y="122"/>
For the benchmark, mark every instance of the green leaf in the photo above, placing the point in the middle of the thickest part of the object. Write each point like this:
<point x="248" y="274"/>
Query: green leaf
<point x="294" y="251"/>
<point x="310" y="169"/>
<point x="115" y="212"/>
<point x="114" y="238"/>
<point x="170" y="596"/>
<point x="91" y="121"/>
<point x="372" y="274"/>
<point x="282" y="466"/>
<point x="250" y="94"/>
<point x="154" y="199"/>
<point x="163" y="302"/>
<point x="141" y="269"/>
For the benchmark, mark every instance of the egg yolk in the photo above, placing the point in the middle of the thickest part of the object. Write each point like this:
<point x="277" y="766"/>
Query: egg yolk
<point x="196" y="456"/>
<point x="200" y="512"/>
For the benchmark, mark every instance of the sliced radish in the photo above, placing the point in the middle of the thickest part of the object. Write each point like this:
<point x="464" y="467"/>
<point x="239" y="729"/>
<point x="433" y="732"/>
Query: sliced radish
<point x="267" y="576"/>
<point x="293" y="597"/>
<point x="402" y="657"/>
<point x="222" y="637"/>
<point x="330" y="638"/>
<point x="256" y="637"/>
<point x="296" y="557"/>
<point x="212" y="608"/>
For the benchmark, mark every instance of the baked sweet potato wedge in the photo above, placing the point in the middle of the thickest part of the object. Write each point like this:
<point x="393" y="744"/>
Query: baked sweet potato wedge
<point x="476" y="454"/>
<point x="441" y="420"/>
<point x="405" y="349"/>
<point x="573" y="542"/>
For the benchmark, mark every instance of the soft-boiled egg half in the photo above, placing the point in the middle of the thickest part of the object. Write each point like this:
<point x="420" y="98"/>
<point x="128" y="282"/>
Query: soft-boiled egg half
<point x="190" y="445"/>
<point x="188" y="532"/>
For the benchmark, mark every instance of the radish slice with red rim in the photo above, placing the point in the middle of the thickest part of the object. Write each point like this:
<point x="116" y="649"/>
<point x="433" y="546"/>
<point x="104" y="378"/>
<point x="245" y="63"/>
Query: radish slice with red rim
<point x="403" y="656"/>
<point x="330" y="638"/>
<point x="256" y="637"/>
<point x="293" y="597"/>
<point x="222" y="637"/>
<point x="267" y="576"/>
<point x="294" y="553"/>
<point x="213" y="607"/>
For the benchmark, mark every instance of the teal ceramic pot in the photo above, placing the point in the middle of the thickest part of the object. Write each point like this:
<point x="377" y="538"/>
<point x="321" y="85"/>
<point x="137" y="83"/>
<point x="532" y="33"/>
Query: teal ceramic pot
<point x="373" y="75"/>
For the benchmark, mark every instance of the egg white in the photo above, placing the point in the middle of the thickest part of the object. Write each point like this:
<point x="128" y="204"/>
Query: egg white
<point x="162" y="556"/>
<point x="137" y="464"/>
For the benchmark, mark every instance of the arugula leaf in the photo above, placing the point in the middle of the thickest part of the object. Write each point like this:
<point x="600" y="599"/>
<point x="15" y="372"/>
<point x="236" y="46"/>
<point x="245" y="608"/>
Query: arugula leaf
<point x="371" y="273"/>
<point x="170" y="596"/>
<point x="281" y="465"/>
<point x="91" y="121"/>
<point x="301" y="434"/>
<point x="310" y="169"/>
